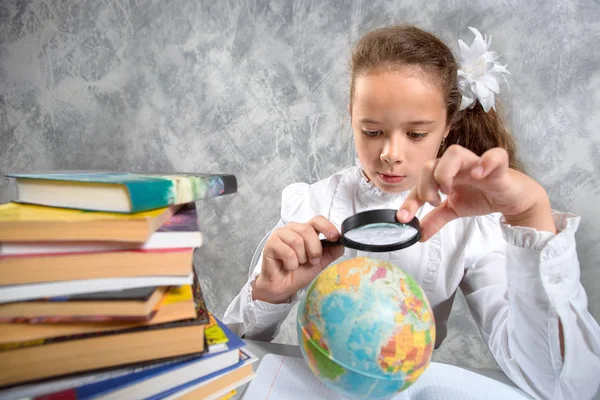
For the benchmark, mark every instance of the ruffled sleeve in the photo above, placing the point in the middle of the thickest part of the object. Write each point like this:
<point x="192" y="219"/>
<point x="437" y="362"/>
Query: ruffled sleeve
<point x="519" y="284"/>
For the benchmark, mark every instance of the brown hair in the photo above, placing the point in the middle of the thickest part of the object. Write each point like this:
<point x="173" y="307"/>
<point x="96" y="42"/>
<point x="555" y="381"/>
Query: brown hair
<point x="403" y="45"/>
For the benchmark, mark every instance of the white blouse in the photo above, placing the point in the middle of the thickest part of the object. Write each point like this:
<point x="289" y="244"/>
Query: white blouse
<point x="518" y="283"/>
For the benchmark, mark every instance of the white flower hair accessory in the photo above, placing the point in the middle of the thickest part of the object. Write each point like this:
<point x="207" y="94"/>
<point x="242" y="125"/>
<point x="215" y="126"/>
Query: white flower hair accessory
<point x="480" y="75"/>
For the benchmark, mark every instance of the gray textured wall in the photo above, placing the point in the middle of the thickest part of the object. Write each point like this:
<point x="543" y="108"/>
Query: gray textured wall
<point x="261" y="90"/>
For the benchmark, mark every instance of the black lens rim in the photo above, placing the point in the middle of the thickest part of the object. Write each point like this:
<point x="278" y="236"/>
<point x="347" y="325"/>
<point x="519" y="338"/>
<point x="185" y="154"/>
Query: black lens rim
<point x="374" y="217"/>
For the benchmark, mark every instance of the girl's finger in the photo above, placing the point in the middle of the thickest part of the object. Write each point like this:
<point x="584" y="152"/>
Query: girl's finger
<point x="279" y="255"/>
<point x="324" y="226"/>
<point x="427" y="186"/>
<point x="454" y="162"/>
<point x="290" y="236"/>
<point x="289" y="259"/>
<point x="435" y="220"/>
<point x="493" y="163"/>
<point x="409" y="208"/>
<point x="311" y="244"/>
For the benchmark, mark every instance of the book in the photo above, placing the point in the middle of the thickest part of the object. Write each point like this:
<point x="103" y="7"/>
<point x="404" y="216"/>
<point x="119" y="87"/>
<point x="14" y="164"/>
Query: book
<point x="64" y="355"/>
<point x="31" y="223"/>
<point x="40" y="268"/>
<point x="180" y="231"/>
<point x="137" y="294"/>
<point x="216" y="336"/>
<point x="55" y="358"/>
<point x="145" y="380"/>
<point x="158" y="383"/>
<point x="130" y="304"/>
<point x="215" y="385"/>
<point x="48" y="386"/>
<point x="13" y="293"/>
<point x="179" y="303"/>
<point x="124" y="192"/>
<point x="282" y="377"/>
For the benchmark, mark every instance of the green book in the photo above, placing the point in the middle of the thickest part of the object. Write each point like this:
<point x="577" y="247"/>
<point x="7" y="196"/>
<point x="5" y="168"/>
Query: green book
<point x="122" y="192"/>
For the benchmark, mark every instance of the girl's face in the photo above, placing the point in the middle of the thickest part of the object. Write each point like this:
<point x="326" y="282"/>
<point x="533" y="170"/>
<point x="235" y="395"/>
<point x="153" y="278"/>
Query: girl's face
<point x="399" y="121"/>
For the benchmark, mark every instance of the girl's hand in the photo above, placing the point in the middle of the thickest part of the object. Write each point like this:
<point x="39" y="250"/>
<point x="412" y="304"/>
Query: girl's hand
<point x="476" y="186"/>
<point x="293" y="256"/>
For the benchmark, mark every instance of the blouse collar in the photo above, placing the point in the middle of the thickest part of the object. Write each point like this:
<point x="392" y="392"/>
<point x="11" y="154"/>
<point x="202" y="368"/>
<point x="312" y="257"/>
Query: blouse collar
<point x="369" y="193"/>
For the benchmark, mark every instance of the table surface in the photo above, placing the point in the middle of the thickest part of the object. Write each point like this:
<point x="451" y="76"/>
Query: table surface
<point x="260" y="349"/>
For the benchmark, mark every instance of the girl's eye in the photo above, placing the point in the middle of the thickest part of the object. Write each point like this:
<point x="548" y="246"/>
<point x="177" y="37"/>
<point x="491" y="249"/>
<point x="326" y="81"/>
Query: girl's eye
<point x="417" y="135"/>
<point x="372" y="133"/>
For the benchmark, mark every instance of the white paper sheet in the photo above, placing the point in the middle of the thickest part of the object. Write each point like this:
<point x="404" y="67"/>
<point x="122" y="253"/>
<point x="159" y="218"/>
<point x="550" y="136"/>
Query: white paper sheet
<point x="289" y="378"/>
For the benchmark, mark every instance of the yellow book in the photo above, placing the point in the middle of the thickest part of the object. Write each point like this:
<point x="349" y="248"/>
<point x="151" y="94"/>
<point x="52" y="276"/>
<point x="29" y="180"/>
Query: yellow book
<point x="31" y="223"/>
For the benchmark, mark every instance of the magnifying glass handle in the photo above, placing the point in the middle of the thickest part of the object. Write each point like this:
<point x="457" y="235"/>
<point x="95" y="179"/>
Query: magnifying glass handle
<point x="327" y="243"/>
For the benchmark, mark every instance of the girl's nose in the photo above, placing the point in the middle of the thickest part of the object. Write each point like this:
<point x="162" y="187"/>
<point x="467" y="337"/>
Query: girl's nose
<point x="392" y="152"/>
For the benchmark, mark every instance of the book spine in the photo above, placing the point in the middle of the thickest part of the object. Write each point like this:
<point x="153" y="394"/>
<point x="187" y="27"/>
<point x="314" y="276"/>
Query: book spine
<point x="146" y="196"/>
<point x="178" y="190"/>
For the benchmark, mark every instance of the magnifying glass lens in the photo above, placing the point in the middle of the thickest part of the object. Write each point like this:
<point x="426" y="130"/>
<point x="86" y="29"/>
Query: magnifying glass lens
<point x="381" y="234"/>
<point x="377" y="231"/>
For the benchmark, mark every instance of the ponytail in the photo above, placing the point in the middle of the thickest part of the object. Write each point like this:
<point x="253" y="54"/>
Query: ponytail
<point x="479" y="131"/>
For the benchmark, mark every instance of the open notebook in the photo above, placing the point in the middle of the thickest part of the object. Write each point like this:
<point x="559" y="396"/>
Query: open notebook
<point x="288" y="378"/>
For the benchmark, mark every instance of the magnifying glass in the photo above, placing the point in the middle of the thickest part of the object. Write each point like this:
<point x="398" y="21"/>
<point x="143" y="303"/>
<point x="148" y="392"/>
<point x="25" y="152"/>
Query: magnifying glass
<point x="377" y="231"/>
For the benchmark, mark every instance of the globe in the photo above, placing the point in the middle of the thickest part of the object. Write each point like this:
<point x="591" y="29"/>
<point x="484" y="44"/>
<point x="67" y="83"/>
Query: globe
<point x="365" y="328"/>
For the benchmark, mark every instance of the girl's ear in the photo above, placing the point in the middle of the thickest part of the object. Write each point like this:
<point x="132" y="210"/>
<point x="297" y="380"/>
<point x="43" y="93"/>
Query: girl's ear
<point x="447" y="132"/>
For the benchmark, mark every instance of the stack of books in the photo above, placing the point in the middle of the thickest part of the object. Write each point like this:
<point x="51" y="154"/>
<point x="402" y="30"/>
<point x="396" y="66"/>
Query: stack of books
<point x="99" y="298"/>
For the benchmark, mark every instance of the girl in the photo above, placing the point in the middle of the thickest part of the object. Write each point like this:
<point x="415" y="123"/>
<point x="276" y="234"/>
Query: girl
<point x="423" y="125"/>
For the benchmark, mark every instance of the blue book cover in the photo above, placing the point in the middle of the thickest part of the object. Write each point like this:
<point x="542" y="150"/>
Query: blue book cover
<point x="143" y="191"/>
<point x="104" y="387"/>
<point x="244" y="358"/>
